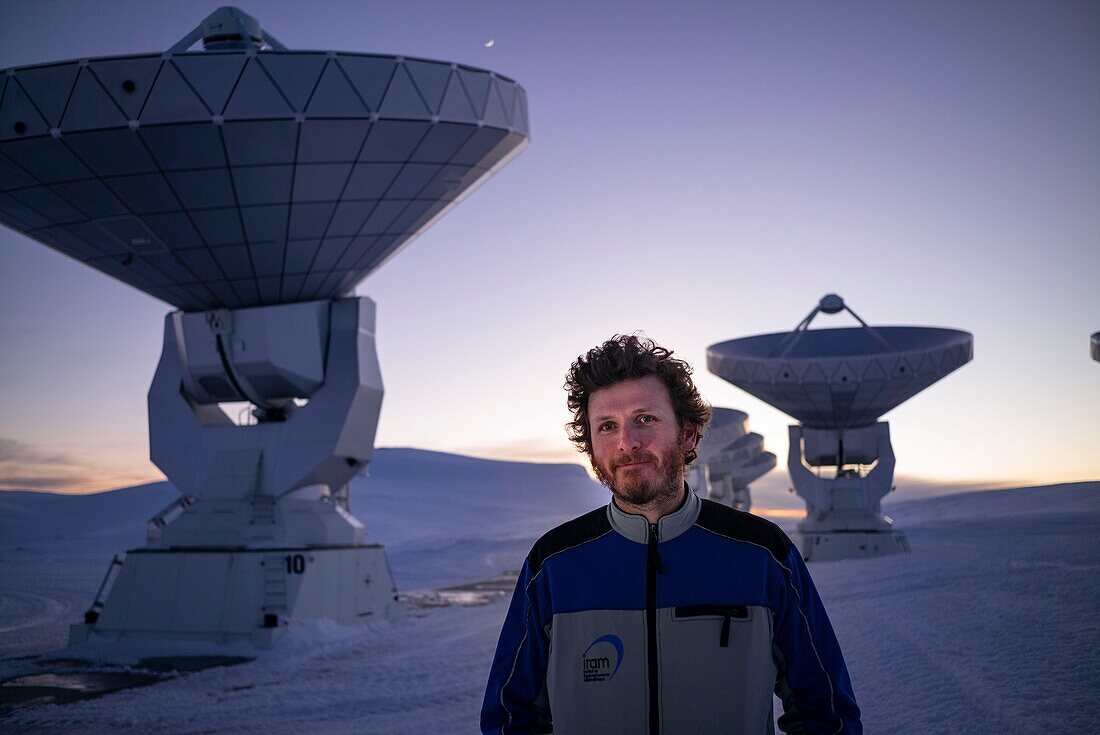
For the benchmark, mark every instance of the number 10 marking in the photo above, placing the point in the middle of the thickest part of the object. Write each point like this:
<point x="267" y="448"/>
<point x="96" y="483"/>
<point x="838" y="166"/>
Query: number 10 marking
<point x="295" y="564"/>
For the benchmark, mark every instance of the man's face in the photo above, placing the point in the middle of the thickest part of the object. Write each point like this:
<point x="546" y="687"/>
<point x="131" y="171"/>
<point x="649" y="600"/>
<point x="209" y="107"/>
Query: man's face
<point x="637" y="445"/>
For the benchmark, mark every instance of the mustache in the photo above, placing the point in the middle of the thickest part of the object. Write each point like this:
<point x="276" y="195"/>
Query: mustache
<point x="634" y="459"/>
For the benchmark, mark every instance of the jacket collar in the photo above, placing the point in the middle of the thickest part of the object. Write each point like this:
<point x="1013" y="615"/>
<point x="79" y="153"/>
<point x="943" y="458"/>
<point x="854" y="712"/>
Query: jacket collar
<point x="636" y="527"/>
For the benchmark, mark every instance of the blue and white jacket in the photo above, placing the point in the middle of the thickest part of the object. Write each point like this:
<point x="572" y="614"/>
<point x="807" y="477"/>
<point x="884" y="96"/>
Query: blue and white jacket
<point x="685" y="626"/>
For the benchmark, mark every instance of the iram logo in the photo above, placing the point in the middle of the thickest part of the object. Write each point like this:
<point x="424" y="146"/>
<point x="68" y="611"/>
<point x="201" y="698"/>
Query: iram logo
<point x="601" y="660"/>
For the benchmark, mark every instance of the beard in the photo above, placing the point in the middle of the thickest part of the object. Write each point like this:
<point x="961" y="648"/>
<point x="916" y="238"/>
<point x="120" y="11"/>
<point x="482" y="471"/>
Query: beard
<point x="642" y="490"/>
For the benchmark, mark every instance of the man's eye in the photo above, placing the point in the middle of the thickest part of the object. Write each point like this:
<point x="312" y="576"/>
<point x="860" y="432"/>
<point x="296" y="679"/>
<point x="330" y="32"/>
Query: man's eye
<point x="606" y="426"/>
<point x="646" y="419"/>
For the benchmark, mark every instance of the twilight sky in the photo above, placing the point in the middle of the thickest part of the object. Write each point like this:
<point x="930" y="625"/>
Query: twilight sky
<point x="698" y="171"/>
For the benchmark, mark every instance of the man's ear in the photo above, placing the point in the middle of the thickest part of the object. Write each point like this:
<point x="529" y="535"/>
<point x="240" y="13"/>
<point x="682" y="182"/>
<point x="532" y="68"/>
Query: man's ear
<point x="689" y="437"/>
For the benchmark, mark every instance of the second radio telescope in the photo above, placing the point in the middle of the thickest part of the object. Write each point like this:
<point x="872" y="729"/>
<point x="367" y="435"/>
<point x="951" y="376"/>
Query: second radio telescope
<point x="837" y="383"/>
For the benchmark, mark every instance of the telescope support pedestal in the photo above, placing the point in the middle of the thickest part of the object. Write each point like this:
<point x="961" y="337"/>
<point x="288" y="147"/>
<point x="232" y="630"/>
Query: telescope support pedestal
<point x="262" y="534"/>
<point x="722" y="489"/>
<point x="844" y="518"/>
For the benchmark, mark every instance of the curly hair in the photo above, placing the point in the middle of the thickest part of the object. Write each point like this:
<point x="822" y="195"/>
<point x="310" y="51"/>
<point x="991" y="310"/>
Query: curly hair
<point x="625" y="357"/>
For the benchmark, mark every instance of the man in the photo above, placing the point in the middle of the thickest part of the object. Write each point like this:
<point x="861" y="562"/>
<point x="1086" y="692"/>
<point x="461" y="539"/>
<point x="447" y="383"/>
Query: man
<point x="661" y="613"/>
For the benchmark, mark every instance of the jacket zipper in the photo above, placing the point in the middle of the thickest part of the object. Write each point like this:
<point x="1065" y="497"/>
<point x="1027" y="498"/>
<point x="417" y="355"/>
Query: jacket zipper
<point x="653" y="568"/>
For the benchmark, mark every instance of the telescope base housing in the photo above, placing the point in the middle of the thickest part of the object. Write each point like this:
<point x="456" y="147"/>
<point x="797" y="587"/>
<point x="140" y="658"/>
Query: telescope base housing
<point x="227" y="595"/>
<point x="836" y="545"/>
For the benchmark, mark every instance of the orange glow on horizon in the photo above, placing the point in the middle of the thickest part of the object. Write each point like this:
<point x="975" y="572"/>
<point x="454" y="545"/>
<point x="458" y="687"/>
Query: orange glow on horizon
<point x="97" y="482"/>
<point x="779" y="512"/>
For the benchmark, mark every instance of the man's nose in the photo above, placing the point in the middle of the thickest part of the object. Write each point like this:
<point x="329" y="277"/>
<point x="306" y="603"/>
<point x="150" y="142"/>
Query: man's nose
<point x="628" y="439"/>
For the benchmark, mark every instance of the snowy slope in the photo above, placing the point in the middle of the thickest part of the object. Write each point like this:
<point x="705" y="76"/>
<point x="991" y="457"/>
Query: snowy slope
<point x="445" y="519"/>
<point x="988" y="626"/>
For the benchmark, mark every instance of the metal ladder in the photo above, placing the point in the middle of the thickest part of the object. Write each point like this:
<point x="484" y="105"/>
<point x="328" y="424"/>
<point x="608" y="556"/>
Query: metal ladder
<point x="263" y="514"/>
<point x="91" y="615"/>
<point x="275" y="592"/>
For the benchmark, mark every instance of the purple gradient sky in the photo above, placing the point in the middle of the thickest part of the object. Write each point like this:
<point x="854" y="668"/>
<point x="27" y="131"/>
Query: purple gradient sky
<point x="699" y="171"/>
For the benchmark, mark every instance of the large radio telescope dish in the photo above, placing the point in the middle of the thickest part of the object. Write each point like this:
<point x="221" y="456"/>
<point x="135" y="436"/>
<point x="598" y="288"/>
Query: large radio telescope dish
<point x="246" y="174"/>
<point x="840" y="377"/>
<point x="252" y="187"/>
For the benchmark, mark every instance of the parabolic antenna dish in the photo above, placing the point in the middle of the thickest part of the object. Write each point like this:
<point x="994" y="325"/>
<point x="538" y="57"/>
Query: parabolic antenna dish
<point x="840" y="378"/>
<point x="243" y="174"/>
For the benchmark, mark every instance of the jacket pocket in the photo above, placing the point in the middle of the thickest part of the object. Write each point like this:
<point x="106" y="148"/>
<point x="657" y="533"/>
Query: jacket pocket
<point x="727" y="613"/>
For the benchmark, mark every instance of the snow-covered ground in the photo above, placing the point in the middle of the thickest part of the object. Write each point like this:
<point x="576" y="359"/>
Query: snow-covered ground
<point x="990" y="625"/>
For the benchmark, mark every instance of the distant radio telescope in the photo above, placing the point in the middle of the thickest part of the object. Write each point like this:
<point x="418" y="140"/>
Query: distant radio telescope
<point x="837" y="383"/>
<point x="252" y="187"/>
<point x="730" y="458"/>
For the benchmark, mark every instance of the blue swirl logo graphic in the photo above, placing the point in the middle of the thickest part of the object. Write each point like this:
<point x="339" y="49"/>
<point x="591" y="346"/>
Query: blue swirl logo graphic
<point x="599" y="668"/>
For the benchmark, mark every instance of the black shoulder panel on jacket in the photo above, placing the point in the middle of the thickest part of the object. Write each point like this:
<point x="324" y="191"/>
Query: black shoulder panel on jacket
<point x="736" y="524"/>
<point x="569" y="534"/>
